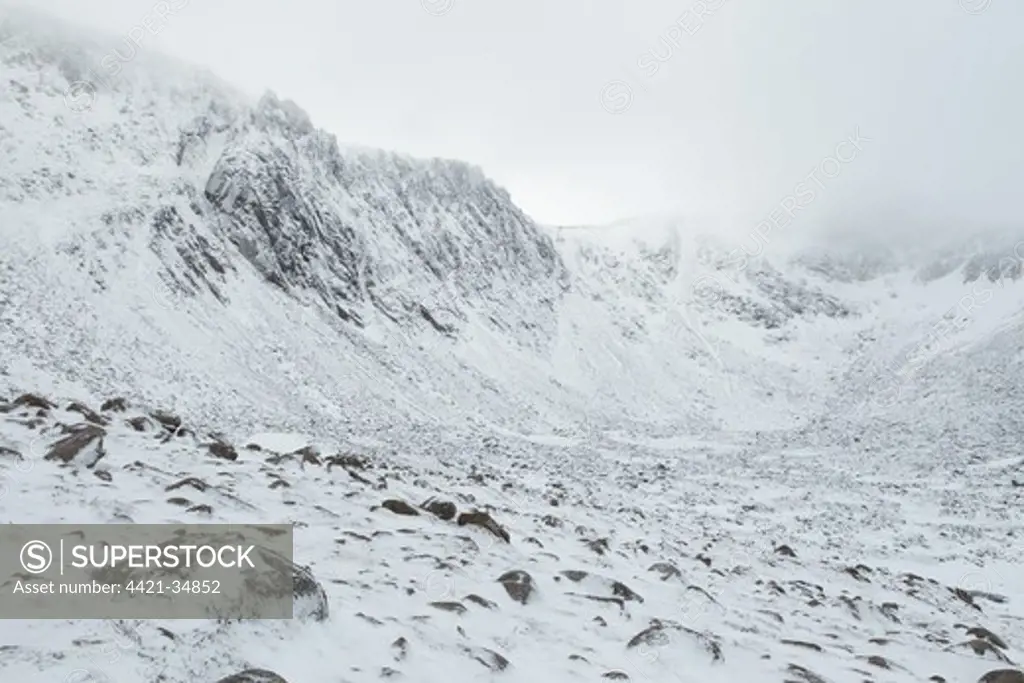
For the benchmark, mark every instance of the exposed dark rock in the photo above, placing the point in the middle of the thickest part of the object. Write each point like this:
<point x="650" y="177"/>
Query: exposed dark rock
<point x="890" y="610"/>
<point x="1003" y="676"/>
<point x="518" y="584"/>
<point x="348" y="461"/>
<point x="484" y="521"/>
<point x="371" y="620"/>
<point x="401" y="648"/>
<point x="702" y="591"/>
<point x="551" y="521"/>
<point x="858" y="573"/>
<point x="616" y="675"/>
<point x="964" y="596"/>
<point x="852" y="604"/>
<point x="666" y="569"/>
<point x="361" y="479"/>
<point x="278" y="458"/>
<point x="984" y="634"/>
<point x="489" y="658"/>
<point x="70" y="446"/>
<point x="879" y="661"/>
<point x="202" y="508"/>
<point x="785" y="551"/>
<point x="139" y="424"/>
<point x="802" y="643"/>
<point x="623" y="591"/>
<point x="804" y="675"/>
<point x="88" y="413"/>
<point x="193" y="482"/>
<point x="984" y="647"/>
<point x="574" y="575"/>
<point x="33" y="401"/>
<point x="399" y="507"/>
<point x="168" y="421"/>
<point x="114" y="405"/>
<point x="307" y="455"/>
<point x="483" y="602"/>
<point x="450" y="606"/>
<point x="222" y="450"/>
<point x="444" y="509"/>
<point x="309" y="597"/>
<point x="659" y="633"/>
<point x="253" y="676"/>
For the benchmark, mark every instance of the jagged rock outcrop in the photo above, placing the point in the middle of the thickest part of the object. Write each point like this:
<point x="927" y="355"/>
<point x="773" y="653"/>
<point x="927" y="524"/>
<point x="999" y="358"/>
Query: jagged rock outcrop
<point x="373" y="228"/>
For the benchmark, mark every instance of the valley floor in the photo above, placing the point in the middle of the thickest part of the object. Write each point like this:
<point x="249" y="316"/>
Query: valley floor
<point x="649" y="559"/>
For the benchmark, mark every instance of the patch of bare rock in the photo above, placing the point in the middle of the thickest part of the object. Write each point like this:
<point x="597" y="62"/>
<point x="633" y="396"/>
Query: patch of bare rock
<point x="253" y="676"/>
<point x="1003" y="676"/>
<point x="78" y="440"/>
<point x="664" y="632"/>
<point x="518" y="584"/>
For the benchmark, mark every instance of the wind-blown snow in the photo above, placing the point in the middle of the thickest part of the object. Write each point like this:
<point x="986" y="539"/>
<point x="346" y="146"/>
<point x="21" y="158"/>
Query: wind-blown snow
<point x="633" y="401"/>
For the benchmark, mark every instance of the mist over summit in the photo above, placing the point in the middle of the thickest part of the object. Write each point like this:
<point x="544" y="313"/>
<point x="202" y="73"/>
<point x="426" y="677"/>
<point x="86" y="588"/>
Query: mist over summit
<point x="777" y="443"/>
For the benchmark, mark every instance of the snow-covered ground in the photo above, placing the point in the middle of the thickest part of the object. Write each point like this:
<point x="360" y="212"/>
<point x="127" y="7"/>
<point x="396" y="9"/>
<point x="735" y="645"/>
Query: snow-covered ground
<point x="792" y="467"/>
<point x="689" y="534"/>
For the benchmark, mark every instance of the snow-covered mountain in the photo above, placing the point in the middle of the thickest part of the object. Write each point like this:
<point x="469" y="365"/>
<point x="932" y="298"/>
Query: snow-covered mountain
<point x="816" y="446"/>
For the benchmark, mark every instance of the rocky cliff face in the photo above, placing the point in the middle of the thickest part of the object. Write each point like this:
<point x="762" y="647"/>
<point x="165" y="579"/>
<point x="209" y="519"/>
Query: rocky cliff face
<point x="347" y="227"/>
<point x="160" y="230"/>
<point x="161" y="183"/>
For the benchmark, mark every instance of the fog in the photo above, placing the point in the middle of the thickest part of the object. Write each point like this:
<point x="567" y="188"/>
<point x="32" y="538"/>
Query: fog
<point x="591" y="112"/>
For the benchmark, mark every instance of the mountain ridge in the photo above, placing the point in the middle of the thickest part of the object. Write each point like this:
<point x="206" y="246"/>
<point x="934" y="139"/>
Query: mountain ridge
<point x="683" y="460"/>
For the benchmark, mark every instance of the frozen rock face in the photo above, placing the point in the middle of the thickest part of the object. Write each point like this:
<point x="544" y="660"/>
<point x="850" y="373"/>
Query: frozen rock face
<point x="346" y="227"/>
<point x="162" y="193"/>
<point x="504" y="450"/>
<point x="849" y="268"/>
<point x="161" y="230"/>
<point x="782" y="299"/>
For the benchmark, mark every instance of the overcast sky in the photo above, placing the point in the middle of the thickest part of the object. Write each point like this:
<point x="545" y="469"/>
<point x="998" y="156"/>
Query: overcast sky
<point x="556" y="99"/>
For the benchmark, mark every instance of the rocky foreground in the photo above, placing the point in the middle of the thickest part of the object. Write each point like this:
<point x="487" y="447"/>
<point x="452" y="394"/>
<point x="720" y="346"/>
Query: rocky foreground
<point x="504" y="557"/>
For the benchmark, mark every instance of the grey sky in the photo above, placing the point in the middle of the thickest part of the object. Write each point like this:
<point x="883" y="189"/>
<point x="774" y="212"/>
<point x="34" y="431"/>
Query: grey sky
<point x="751" y="100"/>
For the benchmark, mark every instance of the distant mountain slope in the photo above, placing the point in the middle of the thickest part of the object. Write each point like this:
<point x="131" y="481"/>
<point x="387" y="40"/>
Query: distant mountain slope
<point x="699" y="458"/>
<point x="161" y="231"/>
<point x="170" y="202"/>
